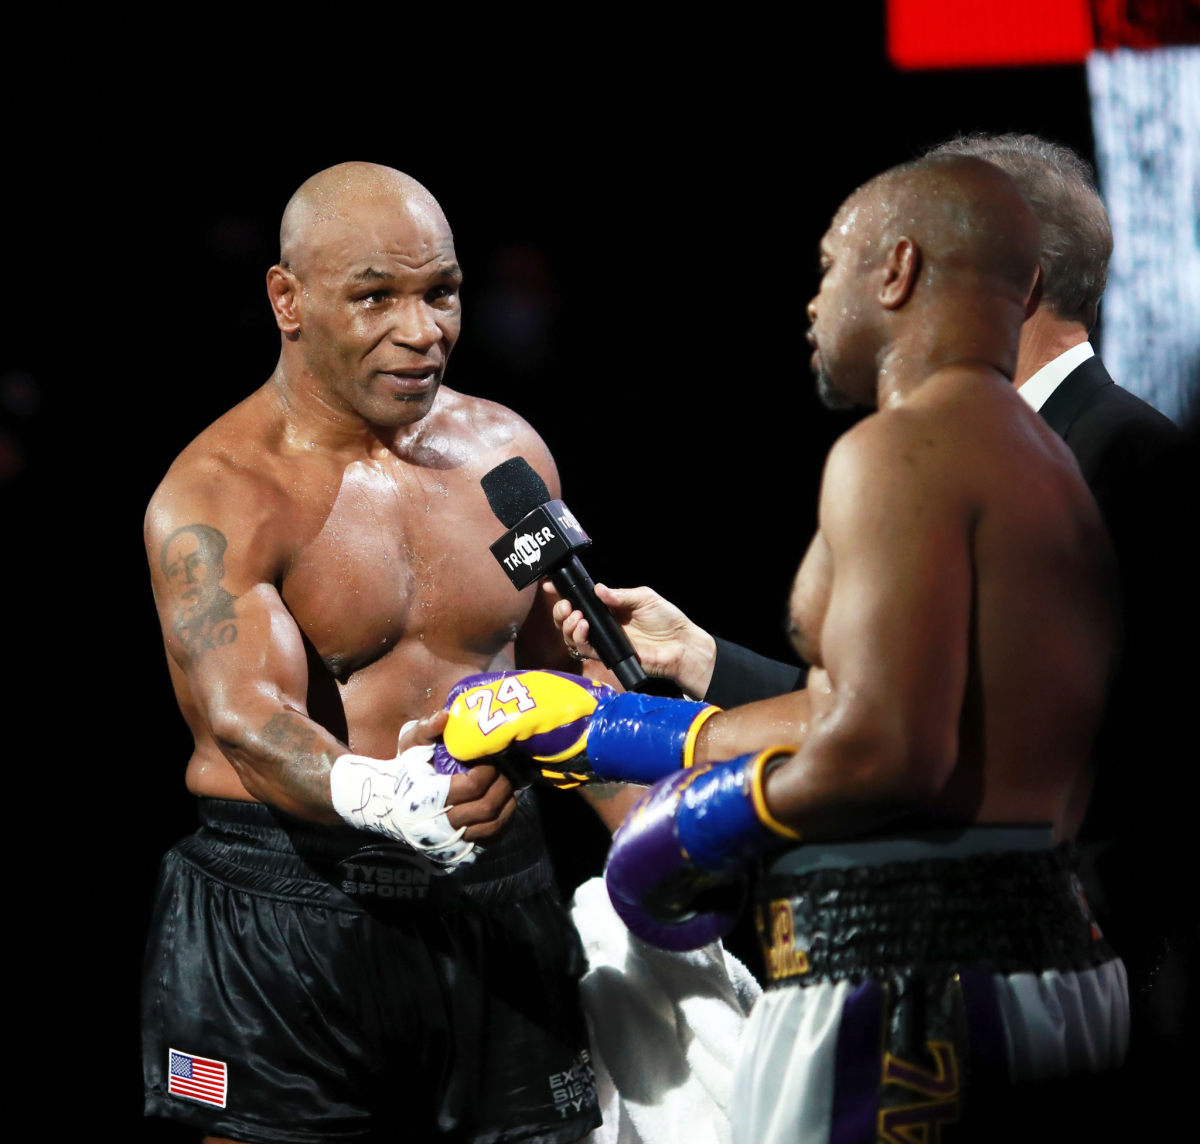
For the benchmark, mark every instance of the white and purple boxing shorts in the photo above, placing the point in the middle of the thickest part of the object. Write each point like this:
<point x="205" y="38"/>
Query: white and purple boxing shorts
<point x="914" y="979"/>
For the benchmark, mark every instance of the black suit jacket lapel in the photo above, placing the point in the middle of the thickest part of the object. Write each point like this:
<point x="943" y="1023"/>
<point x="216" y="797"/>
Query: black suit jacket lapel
<point x="1065" y="403"/>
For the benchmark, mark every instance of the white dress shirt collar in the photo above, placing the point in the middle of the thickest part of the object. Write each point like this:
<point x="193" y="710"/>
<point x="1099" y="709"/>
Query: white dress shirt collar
<point x="1038" y="388"/>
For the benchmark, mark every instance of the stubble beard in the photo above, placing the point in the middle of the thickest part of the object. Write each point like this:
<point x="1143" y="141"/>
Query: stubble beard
<point x="393" y="411"/>
<point x="829" y="395"/>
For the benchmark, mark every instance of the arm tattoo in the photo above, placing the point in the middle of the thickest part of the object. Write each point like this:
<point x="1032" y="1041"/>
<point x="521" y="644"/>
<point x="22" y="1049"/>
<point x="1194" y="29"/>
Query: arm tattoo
<point x="304" y="762"/>
<point x="287" y="738"/>
<point x="601" y="792"/>
<point x="193" y="561"/>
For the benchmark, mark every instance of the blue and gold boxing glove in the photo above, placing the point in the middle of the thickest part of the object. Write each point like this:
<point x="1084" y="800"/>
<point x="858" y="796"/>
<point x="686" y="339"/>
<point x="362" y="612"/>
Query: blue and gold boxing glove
<point x="679" y="853"/>
<point x="575" y="731"/>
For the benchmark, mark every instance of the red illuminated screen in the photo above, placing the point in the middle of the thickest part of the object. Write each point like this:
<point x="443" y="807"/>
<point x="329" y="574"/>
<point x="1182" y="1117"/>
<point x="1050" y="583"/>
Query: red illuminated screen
<point x="987" y="33"/>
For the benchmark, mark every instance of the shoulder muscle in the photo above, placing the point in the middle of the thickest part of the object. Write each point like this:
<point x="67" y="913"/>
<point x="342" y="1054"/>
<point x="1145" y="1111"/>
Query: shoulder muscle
<point x="221" y="515"/>
<point x="499" y="433"/>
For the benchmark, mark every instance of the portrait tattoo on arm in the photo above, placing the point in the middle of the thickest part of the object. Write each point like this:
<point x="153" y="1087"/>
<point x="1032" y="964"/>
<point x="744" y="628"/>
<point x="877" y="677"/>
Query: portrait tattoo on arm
<point x="193" y="561"/>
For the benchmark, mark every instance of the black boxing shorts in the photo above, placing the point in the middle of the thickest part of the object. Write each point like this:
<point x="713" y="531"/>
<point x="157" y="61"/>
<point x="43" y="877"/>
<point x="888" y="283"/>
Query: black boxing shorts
<point x="307" y="983"/>
<point x="917" y="982"/>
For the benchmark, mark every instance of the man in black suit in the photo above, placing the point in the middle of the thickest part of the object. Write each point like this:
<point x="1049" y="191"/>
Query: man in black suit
<point x="1122" y="445"/>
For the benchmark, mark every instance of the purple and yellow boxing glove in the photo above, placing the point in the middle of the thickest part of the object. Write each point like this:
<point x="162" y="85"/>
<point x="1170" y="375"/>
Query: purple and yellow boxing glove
<point x="575" y="731"/>
<point x="687" y="841"/>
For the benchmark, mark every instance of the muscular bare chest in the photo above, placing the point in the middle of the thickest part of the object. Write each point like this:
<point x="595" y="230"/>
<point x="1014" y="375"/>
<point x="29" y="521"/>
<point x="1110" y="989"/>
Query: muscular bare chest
<point x="810" y="600"/>
<point x="400" y="556"/>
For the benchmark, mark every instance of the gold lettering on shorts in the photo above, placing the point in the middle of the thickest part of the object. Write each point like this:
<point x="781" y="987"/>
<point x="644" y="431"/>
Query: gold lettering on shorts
<point x="921" y="1123"/>
<point x="777" y="931"/>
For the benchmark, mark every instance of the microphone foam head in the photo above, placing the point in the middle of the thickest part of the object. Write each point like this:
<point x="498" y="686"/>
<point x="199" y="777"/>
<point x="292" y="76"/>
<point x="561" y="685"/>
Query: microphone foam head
<point x="514" y="490"/>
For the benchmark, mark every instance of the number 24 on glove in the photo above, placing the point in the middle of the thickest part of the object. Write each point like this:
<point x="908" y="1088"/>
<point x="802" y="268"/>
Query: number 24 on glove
<point x="543" y="714"/>
<point x="576" y="731"/>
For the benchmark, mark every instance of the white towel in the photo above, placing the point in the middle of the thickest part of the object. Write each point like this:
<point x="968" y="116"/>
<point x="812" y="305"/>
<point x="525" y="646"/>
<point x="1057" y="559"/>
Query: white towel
<point x="665" y="1029"/>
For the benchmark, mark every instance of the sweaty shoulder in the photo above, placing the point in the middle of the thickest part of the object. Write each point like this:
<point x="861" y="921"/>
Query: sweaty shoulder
<point x="938" y="445"/>
<point x="1001" y="438"/>
<point x="897" y="441"/>
<point x="475" y="432"/>
<point x="974" y="409"/>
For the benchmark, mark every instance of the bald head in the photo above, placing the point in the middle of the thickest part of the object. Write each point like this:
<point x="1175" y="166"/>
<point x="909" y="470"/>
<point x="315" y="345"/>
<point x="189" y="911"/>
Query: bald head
<point x="366" y="293"/>
<point x="340" y="198"/>
<point x="965" y="215"/>
<point x="942" y="251"/>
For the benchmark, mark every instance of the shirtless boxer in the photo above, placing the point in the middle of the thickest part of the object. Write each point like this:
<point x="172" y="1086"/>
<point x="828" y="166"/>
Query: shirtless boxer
<point x="924" y="937"/>
<point x="319" y="560"/>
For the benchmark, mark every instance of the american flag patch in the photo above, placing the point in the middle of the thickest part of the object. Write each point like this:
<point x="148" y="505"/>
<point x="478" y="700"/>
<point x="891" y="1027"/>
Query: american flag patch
<point x="196" y="1077"/>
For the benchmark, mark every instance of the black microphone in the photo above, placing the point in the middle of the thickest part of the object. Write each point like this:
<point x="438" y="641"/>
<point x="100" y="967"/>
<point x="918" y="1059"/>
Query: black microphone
<point x="543" y="538"/>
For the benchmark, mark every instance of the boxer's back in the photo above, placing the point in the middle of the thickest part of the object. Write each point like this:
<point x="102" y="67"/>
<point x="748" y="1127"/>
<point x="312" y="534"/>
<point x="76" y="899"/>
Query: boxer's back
<point x="1043" y="618"/>
<point x="995" y="487"/>
<point x="381" y="562"/>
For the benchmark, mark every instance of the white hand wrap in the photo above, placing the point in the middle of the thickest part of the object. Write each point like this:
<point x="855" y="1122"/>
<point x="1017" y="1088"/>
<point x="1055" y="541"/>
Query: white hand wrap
<point x="404" y="798"/>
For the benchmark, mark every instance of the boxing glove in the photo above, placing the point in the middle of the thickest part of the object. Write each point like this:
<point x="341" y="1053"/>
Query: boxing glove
<point x="574" y="730"/>
<point x="675" y="863"/>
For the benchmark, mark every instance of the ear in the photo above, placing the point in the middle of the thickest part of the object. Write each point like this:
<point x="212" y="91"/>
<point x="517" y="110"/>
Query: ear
<point x="283" y="291"/>
<point x="901" y="270"/>
<point x="1035" y="294"/>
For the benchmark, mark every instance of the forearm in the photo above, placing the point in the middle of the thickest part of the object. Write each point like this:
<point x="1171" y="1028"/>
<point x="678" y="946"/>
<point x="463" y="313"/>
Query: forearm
<point x="281" y="756"/>
<point x="698" y="828"/>
<point x="840" y="792"/>
<point x="843" y="776"/>
<point x="855" y="770"/>
<point x="612" y="801"/>
<point x="854" y="766"/>
<point x="755" y="727"/>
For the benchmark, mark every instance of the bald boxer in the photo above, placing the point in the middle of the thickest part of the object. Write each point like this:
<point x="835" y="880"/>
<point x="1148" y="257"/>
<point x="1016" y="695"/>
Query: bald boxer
<point x="355" y="944"/>
<point x="924" y="936"/>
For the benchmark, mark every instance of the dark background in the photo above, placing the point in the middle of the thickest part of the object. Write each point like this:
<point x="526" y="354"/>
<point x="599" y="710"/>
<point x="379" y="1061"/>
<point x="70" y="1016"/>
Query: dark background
<point x="639" y="236"/>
